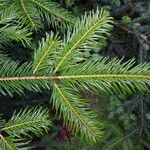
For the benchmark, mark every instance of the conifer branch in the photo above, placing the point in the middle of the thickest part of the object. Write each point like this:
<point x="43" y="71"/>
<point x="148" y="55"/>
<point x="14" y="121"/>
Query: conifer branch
<point x="11" y="30"/>
<point x="34" y="120"/>
<point x="126" y="75"/>
<point x="53" y="9"/>
<point x="99" y="76"/>
<point x="27" y="14"/>
<point x="53" y="67"/>
<point x="17" y="33"/>
<point x="75" y="113"/>
<point x="6" y="144"/>
<point x="31" y="13"/>
<point x="7" y="16"/>
<point x="89" y="29"/>
<point x="43" y="56"/>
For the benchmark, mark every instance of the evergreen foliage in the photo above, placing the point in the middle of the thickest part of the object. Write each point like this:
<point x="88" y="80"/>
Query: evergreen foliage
<point x="21" y="125"/>
<point x="59" y="66"/>
<point x="54" y="67"/>
<point x="32" y="13"/>
<point x="10" y="29"/>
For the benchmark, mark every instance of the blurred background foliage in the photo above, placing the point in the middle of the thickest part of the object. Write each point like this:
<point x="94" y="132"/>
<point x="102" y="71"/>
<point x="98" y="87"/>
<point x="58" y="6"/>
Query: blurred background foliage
<point x="126" y="117"/>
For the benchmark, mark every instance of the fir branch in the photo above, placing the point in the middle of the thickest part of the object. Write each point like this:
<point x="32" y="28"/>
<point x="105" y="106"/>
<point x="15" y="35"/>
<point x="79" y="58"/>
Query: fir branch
<point x="9" y="143"/>
<point x="17" y="33"/>
<point x="115" y="75"/>
<point x="100" y="74"/>
<point x="7" y="16"/>
<point x="75" y="113"/>
<point x="6" y="143"/>
<point x="28" y="14"/>
<point x="52" y="10"/>
<point x="10" y="28"/>
<point x="43" y="56"/>
<point x="4" y="58"/>
<point x="14" y="69"/>
<point x="33" y="120"/>
<point x="92" y="76"/>
<point x="67" y="77"/>
<point x="32" y="13"/>
<point x="90" y="28"/>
